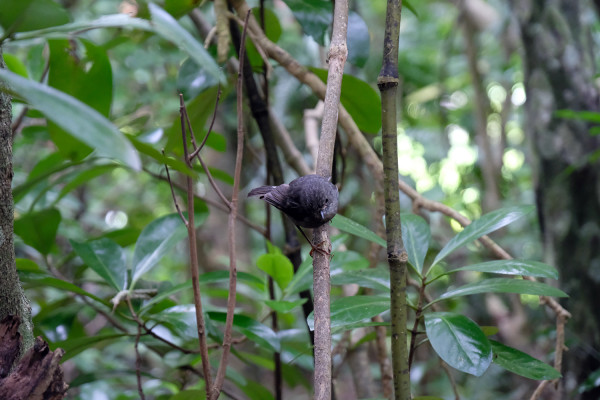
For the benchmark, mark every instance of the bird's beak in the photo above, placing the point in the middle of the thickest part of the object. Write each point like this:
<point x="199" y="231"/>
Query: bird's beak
<point x="322" y="214"/>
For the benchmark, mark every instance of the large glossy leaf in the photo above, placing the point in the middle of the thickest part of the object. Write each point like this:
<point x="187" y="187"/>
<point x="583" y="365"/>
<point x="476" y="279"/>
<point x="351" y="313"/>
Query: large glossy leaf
<point x="350" y="310"/>
<point x="158" y="238"/>
<point x="254" y="330"/>
<point x="416" y="237"/>
<point x="167" y="27"/>
<point x="373" y="278"/>
<point x="278" y="266"/>
<point x="364" y="108"/>
<point x="359" y="40"/>
<point x="484" y="225"/>
<point x="521" y="363"/>
<point x="38" y="229"/>
<point x="80" y="120"/>
<point x="106" y="258"/>
<point x="315" y="17"/>
<point x="80" y="69"/>
<point x="513" y="267"/>
<point x="347" y="225"/>
<point x="28" y="15"/>
<point x="459" y="342"/>
<point x="106" y="21"/>
<point x="503" y="285"/>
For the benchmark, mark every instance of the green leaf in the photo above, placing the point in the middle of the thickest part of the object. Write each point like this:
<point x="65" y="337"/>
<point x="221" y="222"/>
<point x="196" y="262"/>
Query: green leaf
<point x="85" y="177"/>
<point x="69" y="30"/>
<point x="302" y="279"/>
<point x="347" y="225"/>
<point x="278" y="266"/>
<point x="106" y="258"/>
<point x="315" y="17"/>
<point x="589" y="116"/>
<point x="364" y="109"/>
<point x="80" y="120"/>
<point x="72" y="347"/>
<point x="192" y="79"/>
<point x="242" y="277"/>
<point x="28" y="15"/>
<point x="459" y="342"/>
<point x="373" y="278"/>
<point x="484" y="225"/>
<point x="80" y="69"/>
<point x="502" y="285"/>
<point x="513" y="267"/>
<point x="48" y="281"/>
<point x="350" y="310"/>
<point x="199" y="110"/>
<point x="254" y="330"/>
<point x="416" y="237"/>
<point x="359" y="40"/>
<point x="14" y="64"/>
<point x="521" y="363"/>
<point x="158" y="238"/>
<point x="38" y="229"/>
<point x="283" y="306"/>
<point x="167" y="27"/>
<point x="272" y="31"/>
<point x="190" y="394"/>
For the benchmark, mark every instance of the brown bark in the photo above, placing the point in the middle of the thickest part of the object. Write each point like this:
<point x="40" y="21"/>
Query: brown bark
<point x="12" y="297"/>
<point x="38" y="375"/>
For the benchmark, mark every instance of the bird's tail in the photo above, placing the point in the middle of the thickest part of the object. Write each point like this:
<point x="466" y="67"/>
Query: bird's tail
<point x="260" y="191"/>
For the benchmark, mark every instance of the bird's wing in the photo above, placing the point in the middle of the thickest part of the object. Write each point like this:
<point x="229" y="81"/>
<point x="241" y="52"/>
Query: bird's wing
<point x="260" y="191"/>
<point x="278" y="196"/>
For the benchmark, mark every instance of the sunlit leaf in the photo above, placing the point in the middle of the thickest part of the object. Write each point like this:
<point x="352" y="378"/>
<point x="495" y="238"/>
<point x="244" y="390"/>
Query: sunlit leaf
<point x="484" y="225"/>
<point x="459" y="342"/>
<point x="278" y="266"/>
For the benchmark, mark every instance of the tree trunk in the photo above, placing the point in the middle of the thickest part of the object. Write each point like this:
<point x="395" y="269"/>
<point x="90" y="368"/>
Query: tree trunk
<point x="559" y="74"/>
<point x="12" y="297"/>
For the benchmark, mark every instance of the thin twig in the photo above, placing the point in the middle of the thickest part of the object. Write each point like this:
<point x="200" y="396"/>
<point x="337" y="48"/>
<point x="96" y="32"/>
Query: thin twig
<point x="200" y="324"/>
<point x="185" y="221"/>
<point x="213" y="203"/>
<point x="138" y="359"/>
<point x="212" y="122"/>
<point x="220" y="377"/>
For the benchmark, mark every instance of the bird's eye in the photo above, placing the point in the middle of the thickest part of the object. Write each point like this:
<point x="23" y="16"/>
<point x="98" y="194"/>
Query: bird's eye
<point x="326" y="200"/>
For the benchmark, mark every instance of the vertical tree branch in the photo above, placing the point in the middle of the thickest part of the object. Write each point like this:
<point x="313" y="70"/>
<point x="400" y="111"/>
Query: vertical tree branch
<point x="12" y="297"/>
<point x="216" y="390"/>
<point x="191" y="228"/>
<point x="397" y="257"/>
<point x="338" y="53"/>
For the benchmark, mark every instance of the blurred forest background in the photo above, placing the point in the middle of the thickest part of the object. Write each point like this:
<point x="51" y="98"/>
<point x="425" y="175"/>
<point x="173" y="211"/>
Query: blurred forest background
<point x="499" y="108"/>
